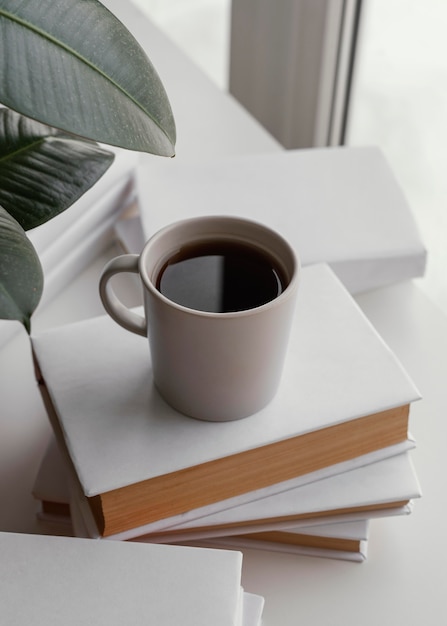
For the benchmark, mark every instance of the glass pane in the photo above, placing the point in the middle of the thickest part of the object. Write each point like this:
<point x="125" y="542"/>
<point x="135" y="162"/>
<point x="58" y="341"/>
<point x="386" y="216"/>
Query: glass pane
<point x="399" y="102"/>
<point x="199" y="27"/>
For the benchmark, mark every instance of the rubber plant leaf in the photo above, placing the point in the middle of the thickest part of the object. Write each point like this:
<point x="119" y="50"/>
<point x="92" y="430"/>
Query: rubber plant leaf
<point x="42" y="171"/>
<point x="21" y="276"/>
<point x="73" y="65"/>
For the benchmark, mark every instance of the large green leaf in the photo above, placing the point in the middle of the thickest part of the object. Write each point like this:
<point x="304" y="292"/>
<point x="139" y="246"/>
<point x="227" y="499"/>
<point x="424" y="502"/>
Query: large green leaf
<point x="21" y="276"/>
<point x="42" y="172"/>
<point x="71" y="64"/>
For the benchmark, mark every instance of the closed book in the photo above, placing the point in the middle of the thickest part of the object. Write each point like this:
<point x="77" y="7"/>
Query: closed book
<point x="65" y="580"/>
<point x="342" y="541"/>
<point x="380" y="489"/>
<point x="114" y="181"/>
<point x="389" y="486"/>
<point x="347" y="541"/>
<point x="343" y="395"/>
<point x="253" y="606"/>
<point x="342" y="206"/>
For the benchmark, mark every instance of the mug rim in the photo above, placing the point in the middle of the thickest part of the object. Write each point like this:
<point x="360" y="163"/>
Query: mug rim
<point x="285" y="294"/>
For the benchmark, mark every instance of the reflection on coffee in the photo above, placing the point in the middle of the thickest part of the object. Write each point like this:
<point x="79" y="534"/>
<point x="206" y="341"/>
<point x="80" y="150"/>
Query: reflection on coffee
<point x="221" y="277"/>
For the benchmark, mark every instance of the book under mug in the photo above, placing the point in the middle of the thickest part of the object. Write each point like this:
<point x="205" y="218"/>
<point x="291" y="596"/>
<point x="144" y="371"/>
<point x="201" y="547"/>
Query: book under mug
<point x="343" y="395"/>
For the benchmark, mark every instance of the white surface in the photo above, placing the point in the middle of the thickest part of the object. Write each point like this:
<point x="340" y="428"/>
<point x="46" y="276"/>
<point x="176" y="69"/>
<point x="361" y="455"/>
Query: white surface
<point x="403" y="581"/>
<point x="55" y="580"/>
<point x="337" y="205"/>
<point x="332" y="344"/>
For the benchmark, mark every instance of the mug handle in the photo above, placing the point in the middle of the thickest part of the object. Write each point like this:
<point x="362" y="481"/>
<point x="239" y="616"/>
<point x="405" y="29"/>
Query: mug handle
<point x="112" y="304"/>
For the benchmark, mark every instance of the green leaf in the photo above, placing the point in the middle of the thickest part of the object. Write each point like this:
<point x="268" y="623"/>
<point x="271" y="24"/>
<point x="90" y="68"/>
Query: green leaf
<point x="42" y="172"/>
<point x="73" y="65"/>
<point x="21" y="276"/>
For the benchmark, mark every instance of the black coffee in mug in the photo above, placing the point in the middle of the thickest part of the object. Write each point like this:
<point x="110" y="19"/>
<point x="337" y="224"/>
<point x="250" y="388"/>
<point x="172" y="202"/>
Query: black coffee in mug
<point x="221" y="277"/>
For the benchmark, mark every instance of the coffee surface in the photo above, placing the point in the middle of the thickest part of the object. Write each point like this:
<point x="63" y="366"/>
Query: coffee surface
<point x="221" y="277"/>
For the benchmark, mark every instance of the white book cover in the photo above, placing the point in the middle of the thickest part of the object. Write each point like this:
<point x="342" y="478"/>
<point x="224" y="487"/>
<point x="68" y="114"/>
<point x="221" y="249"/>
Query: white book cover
<point x="246" y="542"/>
<point x="115" y="178"/>
<point x="118" y="428"/>
<point x="253" y="606"/>
<point x="105" y="211"/>
<point x="119" y="431"/>
<point x="342" y="206"/>
<point x="78" y="254"/>
<point x="358" y="530"/>
<point x="71" y="581"/>
<point x="346" y="541"/>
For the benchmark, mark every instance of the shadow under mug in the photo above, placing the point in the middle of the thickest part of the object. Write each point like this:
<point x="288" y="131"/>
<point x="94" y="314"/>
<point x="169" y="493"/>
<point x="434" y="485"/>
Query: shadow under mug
<point x="207" y="365"/>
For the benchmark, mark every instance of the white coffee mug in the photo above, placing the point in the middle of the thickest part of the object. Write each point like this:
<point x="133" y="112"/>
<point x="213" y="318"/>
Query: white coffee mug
<point x="215" y="366"/>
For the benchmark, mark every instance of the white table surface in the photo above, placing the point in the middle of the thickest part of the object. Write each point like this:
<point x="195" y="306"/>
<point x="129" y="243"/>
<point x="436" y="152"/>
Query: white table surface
<point x="404" y="580"/>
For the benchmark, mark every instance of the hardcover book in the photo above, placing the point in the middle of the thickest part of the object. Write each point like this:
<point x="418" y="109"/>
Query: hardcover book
<point x="299" y="520"/>
<point x="65" y="580"/>
<point x="341" y="206"/>
<point x="380" y="489"/>
<point x="343" y="395"/>
<point x="331" y="542"/>
<point x="346" y="541"/>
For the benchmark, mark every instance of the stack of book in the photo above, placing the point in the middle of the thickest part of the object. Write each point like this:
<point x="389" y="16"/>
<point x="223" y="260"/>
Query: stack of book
<point x="76" y="581"/>
<point x="331" y="451"/>
<point x="319" y="536"/>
